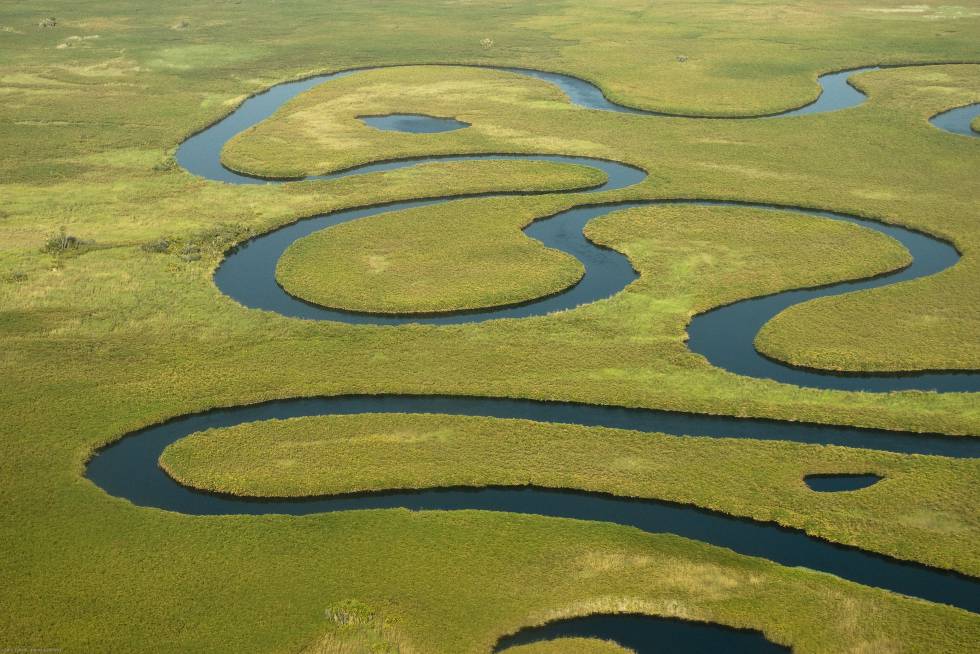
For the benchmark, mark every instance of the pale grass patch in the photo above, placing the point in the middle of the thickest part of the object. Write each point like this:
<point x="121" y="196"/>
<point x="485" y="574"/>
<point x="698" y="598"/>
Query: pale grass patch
<point x="941" y="90"/>
<point x="904" y="9"/>
<point x="189" y="57"/>
<point x="631" y="463"/>
<point x="935" y="520"/>
<point x="874" y="194"/>
<point x="406" y="437"/>
<point x="214" y="100"/>
<point x="378" y="263"/>
<point x="749" y="171"/>
<point x="352" y="641"/>
<point x="926" y="12"/>
<point x="30" y="79"/>
<point x="320" y="126"/>
<point x="699" y="260"/>
<point x="700" y="580"/>
<point x="773" y="13"/>
<point x="878" y="646"/>
<point x="116" y="67"/>
<point x="696" y="579"/>
<point x="953" y="12"/>
<point x="356" y="629"/>
<point x="849" y="621"/>
<point x="545" y="143"/>
<point x="104" y="23"/>
<point x="596" y="563"/>
<point x="127" y="158"/>
<point x="235" y="101"/>
<point x="75" y="40"/>
<point x="16" y="239"/>
<point x="492" y="85"/>
<point x="711" y="140"/>
<point x="925" y="74"/>
<point x="327" y="116"/>
<point x="666" y="607"/>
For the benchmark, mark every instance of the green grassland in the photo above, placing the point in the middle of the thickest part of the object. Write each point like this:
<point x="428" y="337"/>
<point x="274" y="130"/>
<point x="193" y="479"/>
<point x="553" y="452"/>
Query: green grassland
<point x="923" y="501"/>
<point x="436" y="258"/>
<point x="111" y="336"/>
<point x="433" y="259"/>
<point x="862" y="173"/>
<point x="353" y="628"/>
<point x="843" y="332"/>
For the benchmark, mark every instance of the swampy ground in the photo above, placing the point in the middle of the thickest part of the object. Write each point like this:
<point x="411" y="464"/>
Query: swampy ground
<point x="119" y="325"/>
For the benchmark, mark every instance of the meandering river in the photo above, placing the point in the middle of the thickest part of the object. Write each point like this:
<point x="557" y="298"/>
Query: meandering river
<point x="129" y="467"/>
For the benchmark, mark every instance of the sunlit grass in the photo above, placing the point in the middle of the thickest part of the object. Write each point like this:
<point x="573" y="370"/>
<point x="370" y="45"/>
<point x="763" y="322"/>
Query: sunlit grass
<point x="922" y="501"/>
<point x="461" y="255"/>
<point x="102" y="340"/>
<point x="905" y="327"/>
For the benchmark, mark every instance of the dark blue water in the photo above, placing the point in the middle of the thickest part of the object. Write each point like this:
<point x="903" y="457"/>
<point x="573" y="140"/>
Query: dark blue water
<point x="645" y="634"/>
<point x="725" y="336"/>
<point x="959" y="120"/>
<point x="413" y="123"/>
<point x="836" y="93"/>
<point x="200" y="154"/>
<point x="248" y="274"/>
<point x="833" y="483"/>
<point x="128" y="468"/>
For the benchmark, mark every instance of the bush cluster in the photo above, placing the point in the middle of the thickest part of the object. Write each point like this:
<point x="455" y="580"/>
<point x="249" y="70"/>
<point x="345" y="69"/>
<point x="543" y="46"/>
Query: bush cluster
<point x="62" y="242"/>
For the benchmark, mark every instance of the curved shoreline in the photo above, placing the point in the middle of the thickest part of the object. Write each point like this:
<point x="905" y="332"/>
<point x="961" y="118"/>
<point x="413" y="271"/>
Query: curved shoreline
<point x="724" y="335"/>
<point x="129" y="468"/>
<point x="646" y="634"/>
<point x="958" y="120"/>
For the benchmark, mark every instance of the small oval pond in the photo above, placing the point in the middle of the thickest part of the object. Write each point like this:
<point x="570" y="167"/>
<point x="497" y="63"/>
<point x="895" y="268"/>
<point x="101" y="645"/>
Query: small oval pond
<point x="414" y="123"/>
<point x="831" y="483"/>
<point x="647" y="633"/>
<point x="959" y="120"/>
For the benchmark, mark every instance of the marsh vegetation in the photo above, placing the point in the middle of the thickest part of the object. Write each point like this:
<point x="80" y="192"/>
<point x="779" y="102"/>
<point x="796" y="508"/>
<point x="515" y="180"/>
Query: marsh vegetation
<point x="98" y="341"/>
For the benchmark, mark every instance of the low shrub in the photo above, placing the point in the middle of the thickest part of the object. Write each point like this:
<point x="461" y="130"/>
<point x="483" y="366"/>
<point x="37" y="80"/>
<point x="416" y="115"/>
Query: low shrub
<point x="159" y="245"/>
<point x="62" y="242"/>
<point x="190" y="253"/>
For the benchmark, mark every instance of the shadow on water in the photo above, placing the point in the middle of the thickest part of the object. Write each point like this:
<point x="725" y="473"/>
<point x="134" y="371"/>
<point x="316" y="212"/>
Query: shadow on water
<point x="645" y="634"/>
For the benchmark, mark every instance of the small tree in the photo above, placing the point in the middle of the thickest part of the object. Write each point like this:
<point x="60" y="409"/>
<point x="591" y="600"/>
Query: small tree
<point x="61" y="242"/>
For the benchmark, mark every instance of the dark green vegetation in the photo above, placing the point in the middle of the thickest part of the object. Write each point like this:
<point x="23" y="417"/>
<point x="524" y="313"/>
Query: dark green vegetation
<point x="127" y="328"/>
<point x="436" y="259"/>
<point x="925" y="499"/>
<point x="867" y="172"/>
